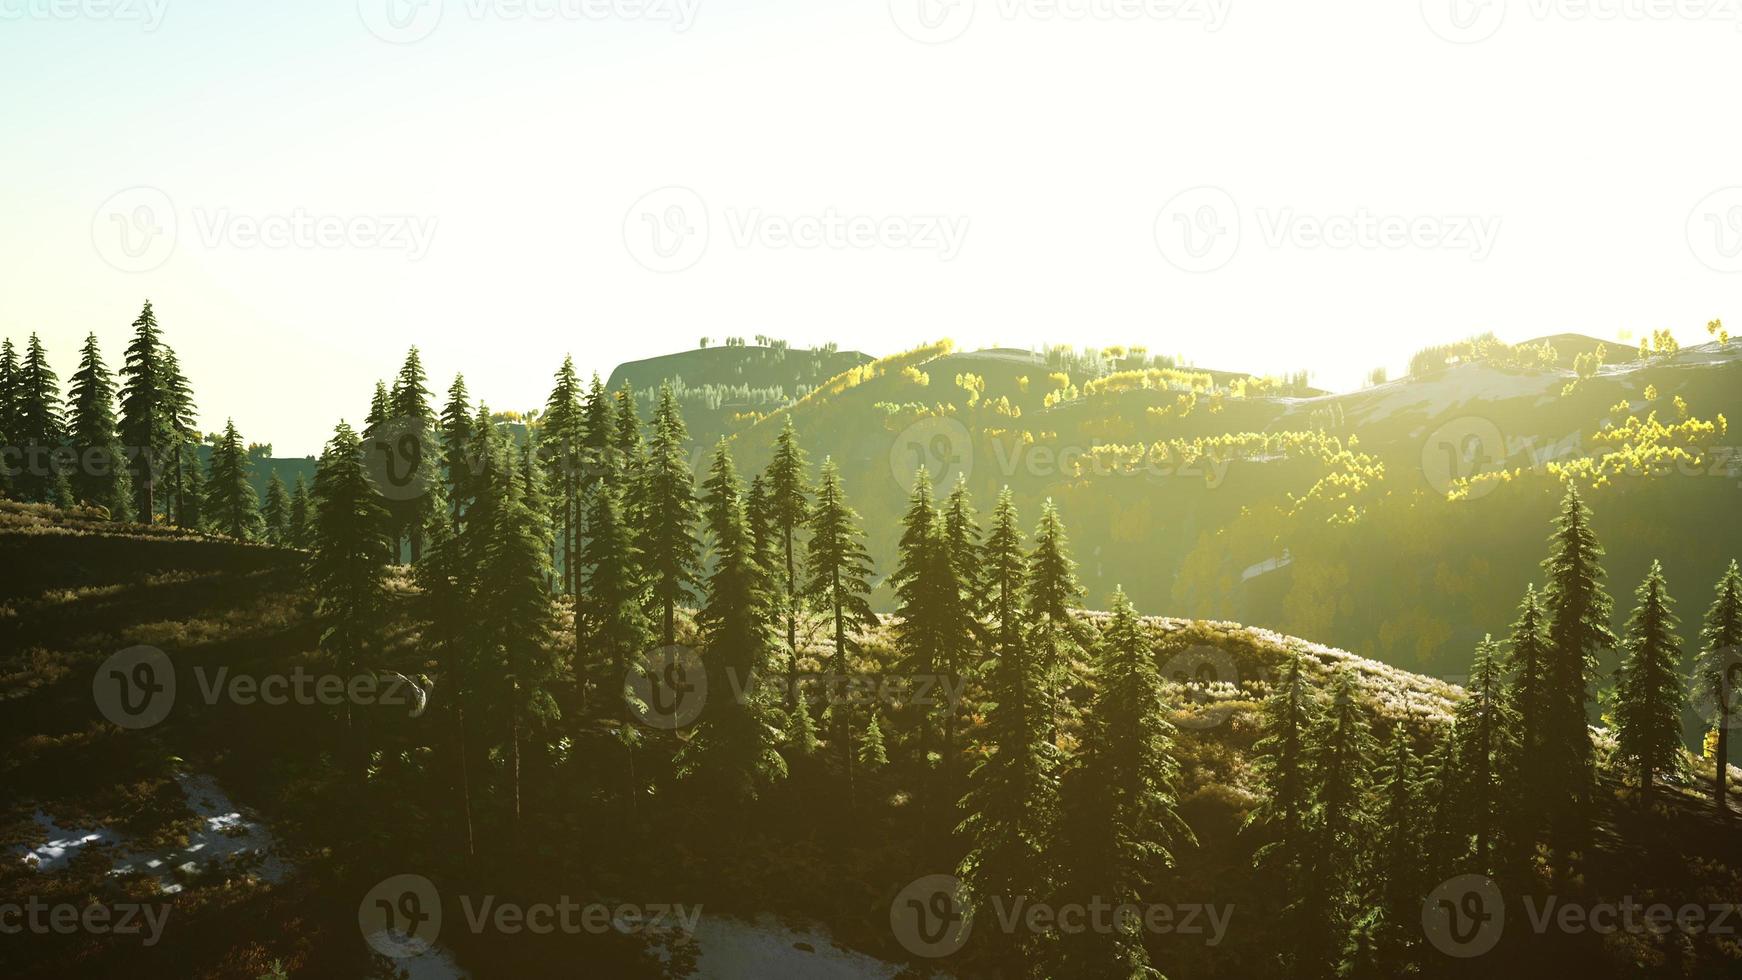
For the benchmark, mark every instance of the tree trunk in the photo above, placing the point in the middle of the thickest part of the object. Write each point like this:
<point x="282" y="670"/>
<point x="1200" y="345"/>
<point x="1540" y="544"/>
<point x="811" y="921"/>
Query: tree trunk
<point x="1723" y="762"/>
<point x="791" y="614"/>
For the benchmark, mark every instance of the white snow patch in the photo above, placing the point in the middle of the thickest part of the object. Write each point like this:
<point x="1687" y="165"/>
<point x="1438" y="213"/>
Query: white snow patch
<point x="733" y="949"/>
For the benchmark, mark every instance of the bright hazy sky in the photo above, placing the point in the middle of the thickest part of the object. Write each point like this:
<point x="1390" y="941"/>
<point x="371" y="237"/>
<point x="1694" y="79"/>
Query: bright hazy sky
<point x="988" y="170"/>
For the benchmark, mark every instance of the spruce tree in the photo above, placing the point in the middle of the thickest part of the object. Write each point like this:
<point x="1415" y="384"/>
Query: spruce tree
<point x="918" y="593"/>
<point x="231" y="505"/>
<point x="872" y="755"/>
<point x="1578" y="611"/>
<point x="962" y="542"/>
<point x="347" y="570"/>
<point x="1486" y="724"/>
<point x="617" y="627"/>
<point x="275" y="513"/>
<point x="1648" y="687"/>
<point x="41" y="426"/>
<point x="668" y="536"/>
<point x="298" y="530"/>
<point x="92" y="432"/>
<point x="838" y="580"/>
<point x="1339" y="824"/>
<point x="1290" y="714"/>
<point x="1121" y="802"/>
<point x="1382" y="940"/>
<point x="733" y="748"/>
<point x="457" y="444"/>
<point x="415" y="427"/>
<point x="563" y="448"/>
<point x="443" y="604"/>
<point x="190" y="495"/>
<point x="9" y="371"/>
<point x="1053" y="594"/>
<point x="788" y="508"/>
<point x="182" y="428"/>
<point x="1717" y="671"/>
<point x="147" y="412"/>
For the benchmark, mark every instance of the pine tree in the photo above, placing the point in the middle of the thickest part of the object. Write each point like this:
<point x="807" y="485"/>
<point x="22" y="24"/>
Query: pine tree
<point x="9" y="371"/>
<point x="962" y="541"/>
<point x="298" y="528"/>
<point x="1290" y="714"/>
<point x="1717" y="669"/>
<point x="147" y="411"/>
<point x="444" y="604"/>
<point x="457" y="442"/>
<point x="41" y="427"/>
<point x="1486" y="725"/>
<point x="562" y="448"/>
<point x="838" y="580"/>
<point x="1445" y="845"/>
<point x="231" y="504"/>
<point x="1649" y="693"/>
<point x="182" y="426"/>
<point x="918" y="593"/>
<point x="190" y="496"/>
<point x="515" y="620"/>
<point x="1382" y="941"/>
<point x="1053" y="594"/>
<point x="733" y="747"/>
<point x="788" y="507"/>
<point x="617" y="626"/>
<point x="276" y="512"/>
<point x="415" y="425"/>
<point x="671" y="514"/>
<point x="1338" y="824"/>
<point x="872" y="755"/>
<point x="1578" y="611"/>
<point x="92" y="429"/>
<point x="347" y="570"/>
<point x="1122" y="801"/>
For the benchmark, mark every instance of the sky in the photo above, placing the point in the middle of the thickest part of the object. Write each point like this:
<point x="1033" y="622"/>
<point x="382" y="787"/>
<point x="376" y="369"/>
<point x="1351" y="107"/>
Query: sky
<point x="304" y="190"/>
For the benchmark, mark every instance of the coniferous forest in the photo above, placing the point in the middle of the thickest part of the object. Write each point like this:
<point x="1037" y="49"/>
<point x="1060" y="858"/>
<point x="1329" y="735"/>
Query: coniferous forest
<point x="667" y="678"/>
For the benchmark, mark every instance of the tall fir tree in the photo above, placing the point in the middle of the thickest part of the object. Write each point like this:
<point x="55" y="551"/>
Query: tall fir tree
<point x="182" y="427"/>
<point x="9" y="371"/>
<point x="838" y="580"/>
<point x="1578" y="611"/>
<point x="1717" y="671"/>
<point x="1486" y="726"/>
<point x="92" y="430"/>
<point x="1339" y="822"/>
<point x="1121" y="801"/>
<point x="275" y="512"/>
<point x="671" y="513"/>
<point x="617" y="627"/>
<point x="1383" y="939"/>
<point x="415" y="427"/>
<point x="563" y="448"/>
<point x="41" y="425"/>
<point x="789" y="493"/>
<point x="231" y="506"/>
<point x="347" y="569"/>
<point x="1649" y="695"/>
<point x="298" y="526"/>
<point x="733" y="749"/>
<point x="919" y="593"/>
<point x="457" y="444"/>
<point x="1054" y="593"/>
<point x="147" y="412"/>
